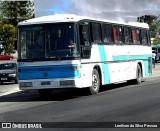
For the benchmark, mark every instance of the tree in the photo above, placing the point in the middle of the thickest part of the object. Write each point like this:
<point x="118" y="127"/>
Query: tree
<point x="13" y="12"/>
<point x="154" y="29"/>
<point x="7" y="34"/>
<point x="152" y="22"/>
<point x="147" y="19"/>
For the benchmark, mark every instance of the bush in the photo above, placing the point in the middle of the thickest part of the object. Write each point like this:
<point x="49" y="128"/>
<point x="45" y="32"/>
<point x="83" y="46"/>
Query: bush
<point x="156" y="41"/>
<point x="8" y="35"/>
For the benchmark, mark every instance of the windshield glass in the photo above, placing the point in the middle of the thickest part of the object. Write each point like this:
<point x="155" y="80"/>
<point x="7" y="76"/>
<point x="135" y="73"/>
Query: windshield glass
<point x="7" y="66"/>
<point x="48" y="41"/>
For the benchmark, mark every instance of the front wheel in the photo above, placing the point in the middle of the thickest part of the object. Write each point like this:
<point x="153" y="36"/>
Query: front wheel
<point x="94" y="89"/>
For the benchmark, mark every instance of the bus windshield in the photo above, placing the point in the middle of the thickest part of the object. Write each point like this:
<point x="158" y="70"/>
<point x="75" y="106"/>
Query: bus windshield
<point x="47" y="41"/>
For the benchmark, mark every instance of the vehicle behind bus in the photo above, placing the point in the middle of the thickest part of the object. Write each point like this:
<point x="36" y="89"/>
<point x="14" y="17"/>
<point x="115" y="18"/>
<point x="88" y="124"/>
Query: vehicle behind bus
<point x="156" y="50"/>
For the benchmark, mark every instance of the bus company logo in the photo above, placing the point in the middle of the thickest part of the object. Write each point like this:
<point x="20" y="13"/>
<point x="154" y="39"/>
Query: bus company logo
<point x="45" y="74"/>
<point x="6" y="125"/>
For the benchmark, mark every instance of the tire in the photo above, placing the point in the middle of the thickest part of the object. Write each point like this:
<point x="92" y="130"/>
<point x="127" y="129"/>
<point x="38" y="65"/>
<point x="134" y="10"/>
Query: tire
<point x="138" y="79"/>
<point x="94" y="89"/>
<point x="45" y="92"/>
<point x="16" y="81"/>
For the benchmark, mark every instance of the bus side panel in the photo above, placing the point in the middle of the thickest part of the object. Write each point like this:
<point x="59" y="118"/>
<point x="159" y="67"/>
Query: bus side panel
<point x="98" y="59"/>
<point x="117" y="63"/>
<point x="104" y="65"/>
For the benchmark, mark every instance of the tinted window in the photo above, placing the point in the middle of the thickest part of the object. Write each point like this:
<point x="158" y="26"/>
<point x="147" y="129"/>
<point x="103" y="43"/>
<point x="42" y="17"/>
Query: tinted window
<point x="148" y="38"/>
<point x="117" y="33"/>
<point x="127" y="35"/>
<point x="96" y="32"/>
<point x="84" y="34"/>
<point x="107" y="33"/>
<point x="135" y="36"/>
<point x="32" y="42"/>
<point x="48" y="41"/>
<point x="144" y="37"/>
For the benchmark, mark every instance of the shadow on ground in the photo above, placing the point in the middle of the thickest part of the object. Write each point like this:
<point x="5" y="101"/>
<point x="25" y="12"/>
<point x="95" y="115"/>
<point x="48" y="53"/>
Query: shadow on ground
<point x="57" y="95"/>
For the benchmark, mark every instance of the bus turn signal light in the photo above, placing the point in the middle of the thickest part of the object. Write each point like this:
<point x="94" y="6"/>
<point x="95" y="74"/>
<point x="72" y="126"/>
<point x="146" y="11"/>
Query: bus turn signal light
<point x="74" y="67"/>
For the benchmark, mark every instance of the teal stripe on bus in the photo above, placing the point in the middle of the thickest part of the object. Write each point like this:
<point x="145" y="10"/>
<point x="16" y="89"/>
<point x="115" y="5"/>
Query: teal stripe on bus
<point x="131" y="57"/>
<point x="136" y="57"/>
<point x="103" y="58"/>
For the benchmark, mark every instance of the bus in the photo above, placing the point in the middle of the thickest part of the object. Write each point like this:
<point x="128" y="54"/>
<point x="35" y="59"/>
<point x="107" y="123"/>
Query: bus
<point x="70" y="51"/>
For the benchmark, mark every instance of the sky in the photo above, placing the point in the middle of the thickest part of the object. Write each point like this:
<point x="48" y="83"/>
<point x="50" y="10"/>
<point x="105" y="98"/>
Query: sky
<point x="109" y="9"/>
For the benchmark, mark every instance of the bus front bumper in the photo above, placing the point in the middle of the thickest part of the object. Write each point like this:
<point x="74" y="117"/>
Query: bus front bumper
<point x="49" y="84"/>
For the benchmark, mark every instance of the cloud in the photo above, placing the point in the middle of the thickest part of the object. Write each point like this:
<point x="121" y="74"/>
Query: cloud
<point x="109" y="9"/>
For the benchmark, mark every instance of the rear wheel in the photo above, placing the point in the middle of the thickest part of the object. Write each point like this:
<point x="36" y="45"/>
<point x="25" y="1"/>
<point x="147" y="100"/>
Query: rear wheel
<point x="138" y="79"/>
<point x="94" y="89"/>
<point x="45" y="92"/>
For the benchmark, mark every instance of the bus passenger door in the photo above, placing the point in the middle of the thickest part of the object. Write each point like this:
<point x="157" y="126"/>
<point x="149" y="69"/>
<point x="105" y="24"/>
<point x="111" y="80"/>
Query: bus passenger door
<point x="84" y="39"/>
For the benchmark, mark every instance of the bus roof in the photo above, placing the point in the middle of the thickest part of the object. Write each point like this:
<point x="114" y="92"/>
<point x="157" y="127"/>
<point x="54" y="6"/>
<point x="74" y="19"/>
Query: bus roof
<point x="75" y="18"/>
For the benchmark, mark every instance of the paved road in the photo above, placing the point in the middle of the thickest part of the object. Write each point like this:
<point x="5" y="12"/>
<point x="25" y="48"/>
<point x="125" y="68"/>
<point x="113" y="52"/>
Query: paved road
<point x="121" y="102"/>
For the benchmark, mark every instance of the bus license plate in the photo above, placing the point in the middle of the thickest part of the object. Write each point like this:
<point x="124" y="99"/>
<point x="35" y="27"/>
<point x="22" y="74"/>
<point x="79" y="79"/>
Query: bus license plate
<point x="45" y="83"/>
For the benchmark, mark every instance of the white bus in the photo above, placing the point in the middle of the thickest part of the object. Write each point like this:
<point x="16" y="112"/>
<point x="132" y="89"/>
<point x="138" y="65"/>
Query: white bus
<point x="69" y="51"/>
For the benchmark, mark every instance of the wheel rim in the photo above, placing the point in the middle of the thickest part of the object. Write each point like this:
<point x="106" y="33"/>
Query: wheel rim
<point x="95" y="82"/>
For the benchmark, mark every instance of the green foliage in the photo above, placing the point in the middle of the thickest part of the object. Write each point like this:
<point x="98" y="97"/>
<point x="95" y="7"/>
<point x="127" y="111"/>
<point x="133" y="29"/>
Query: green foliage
<point x="154" y="28"/>
<point x="152" y="22"/>
<point x="13" y="12"/>
<point x="8" y="35"/>
<point x="147" y="19"/>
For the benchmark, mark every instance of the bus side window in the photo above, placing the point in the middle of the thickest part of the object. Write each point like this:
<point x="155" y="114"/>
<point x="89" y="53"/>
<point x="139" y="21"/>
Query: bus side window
<point x="120" y="35"/>
<point x="96" y="32"/>
<point x="127" y="35"/>
<point x="84" y="34"/>
<point x="107" y="33"/>
<point x="138" y="36"/>
<point x="117" y="32"/>
<point x="144" y="37"/>
<point x="148" y="37"/>
<point x="134" y="36"/>
<point x="84" y="37"/>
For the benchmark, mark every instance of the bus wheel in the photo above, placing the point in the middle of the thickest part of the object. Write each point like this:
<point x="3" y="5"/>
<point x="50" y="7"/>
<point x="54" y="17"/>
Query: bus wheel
<point x="45" y="92"/>
<point x="94" y="89"/>
<point x="138" y="79"/>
